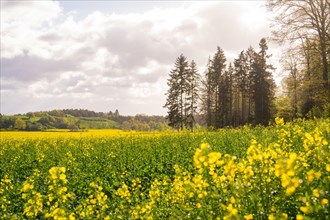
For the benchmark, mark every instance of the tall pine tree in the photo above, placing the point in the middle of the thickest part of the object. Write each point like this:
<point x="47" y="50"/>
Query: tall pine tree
<point x="263" y="85"/>
<point x="191" y="95"/>
<point x="213" y="97"/>
<point x="207" y="95"/>
<point x="177" y="84"/>
<point x="241" y="79"/>
<point x="182" y="95"/>
<point x="218" y="68"/>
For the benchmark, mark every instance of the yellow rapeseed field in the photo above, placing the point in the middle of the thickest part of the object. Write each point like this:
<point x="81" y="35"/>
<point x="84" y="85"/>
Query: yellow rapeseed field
<point x="62" y="133"/>
<point x="278" y="172"/>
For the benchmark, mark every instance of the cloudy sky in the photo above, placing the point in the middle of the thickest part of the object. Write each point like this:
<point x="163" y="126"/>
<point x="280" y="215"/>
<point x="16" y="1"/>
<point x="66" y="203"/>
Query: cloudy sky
<point x="107" y="55"/>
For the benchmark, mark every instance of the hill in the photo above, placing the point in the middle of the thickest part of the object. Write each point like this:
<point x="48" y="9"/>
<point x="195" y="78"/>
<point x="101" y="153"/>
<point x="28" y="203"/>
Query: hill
<point x="78" y="119"/>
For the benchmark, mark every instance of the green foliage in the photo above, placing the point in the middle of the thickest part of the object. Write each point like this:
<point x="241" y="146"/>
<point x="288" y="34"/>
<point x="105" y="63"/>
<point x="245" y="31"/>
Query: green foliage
<point x="20" y="124"/>
<point x="81" y="119"/>
<point x="97" y="123"/>
<point x="284" y="109"/>
<point x="305" y="26"/>
<point x="240" y="94"/>
<point x="7" y="122"/>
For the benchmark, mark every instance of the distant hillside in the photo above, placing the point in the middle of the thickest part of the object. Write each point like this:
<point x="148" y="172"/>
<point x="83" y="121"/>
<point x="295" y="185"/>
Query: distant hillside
<point x="77" y="119"/>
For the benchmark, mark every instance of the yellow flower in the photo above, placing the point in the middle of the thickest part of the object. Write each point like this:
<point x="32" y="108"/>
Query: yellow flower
<point x="285" y="180"/>
<point x="202" y="159"/>
<point x="198" y="205"/>
<point x="310" y="175"/>
<point x="27" y="187"/>
<point x="232" y="210"/>
<point x="62" y="169"/>
<point x="50" y="197"/>
<point x="53" y="172"/>
<point x="248" y="217"/>
<point x="327" y="167"/>
<point x="62" y="176"/>
<point x="309" y="137"/>
<point x="71" y="217"/>
<point x="93" y="201"/>
<point x="290" y="190"/>
<point x="200" y="195"/>
<point x="296" y="182"/>
<point x="318" y="175"/>
<point x="213" y="157"/>
<point x="304" y="209"/>
<point x="220" y="162"/>
<point x="279" y="121"/>
<point x="316" y="193"/>
<point x="299" y="217"/>
<point x="324" y="202"/>
<point x="204" y="146"/>
<point x="271" y="217"/>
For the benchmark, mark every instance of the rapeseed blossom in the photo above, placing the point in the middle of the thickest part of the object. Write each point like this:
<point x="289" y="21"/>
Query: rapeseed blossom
<point x="283" y="174"/>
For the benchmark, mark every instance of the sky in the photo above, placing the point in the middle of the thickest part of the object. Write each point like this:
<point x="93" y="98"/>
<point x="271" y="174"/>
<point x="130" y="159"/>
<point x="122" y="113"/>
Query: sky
<point x="108" y="55"/>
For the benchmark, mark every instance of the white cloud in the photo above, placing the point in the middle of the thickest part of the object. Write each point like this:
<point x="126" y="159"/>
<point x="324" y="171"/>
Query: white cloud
<point x="113" y="60"/>
<point x="254" y="17"/>
<point x="21" y="21"/>
<point x="30" y="13"/>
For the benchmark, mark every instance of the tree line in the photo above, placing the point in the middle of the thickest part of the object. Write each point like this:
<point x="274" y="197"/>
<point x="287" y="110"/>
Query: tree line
<point x="244" y="91"/>
<point x="304" y="27"/>
<point x="81" y="119"/>
<point x="233" y="95"/>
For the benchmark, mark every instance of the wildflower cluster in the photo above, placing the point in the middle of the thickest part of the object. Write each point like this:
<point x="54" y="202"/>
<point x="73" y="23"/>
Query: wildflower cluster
<point x="94" y="206"/>
<point x="58" y="195"/>
<point x="286" y="169"/>
<point x="34" y="200"/>
<point x="6" y="187"/>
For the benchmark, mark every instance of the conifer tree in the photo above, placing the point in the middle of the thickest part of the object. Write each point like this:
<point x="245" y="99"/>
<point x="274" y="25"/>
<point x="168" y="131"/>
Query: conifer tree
<point x="250" y="56"/>
<point x="263" y="85"/>
<point x="176" y="93"/>
<point x="218" y="68"/>
<point x="207" y="96"/>
<point x="241" y="79"/>
<point x="227" y="100"/>
<point x="191" y="95"/>
<point x="213" y="85"/>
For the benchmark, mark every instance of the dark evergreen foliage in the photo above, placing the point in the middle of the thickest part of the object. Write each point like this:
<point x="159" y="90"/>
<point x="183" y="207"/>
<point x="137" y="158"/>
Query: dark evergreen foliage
<point x="242" y="93"/>
<point x="182" y="94"/>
